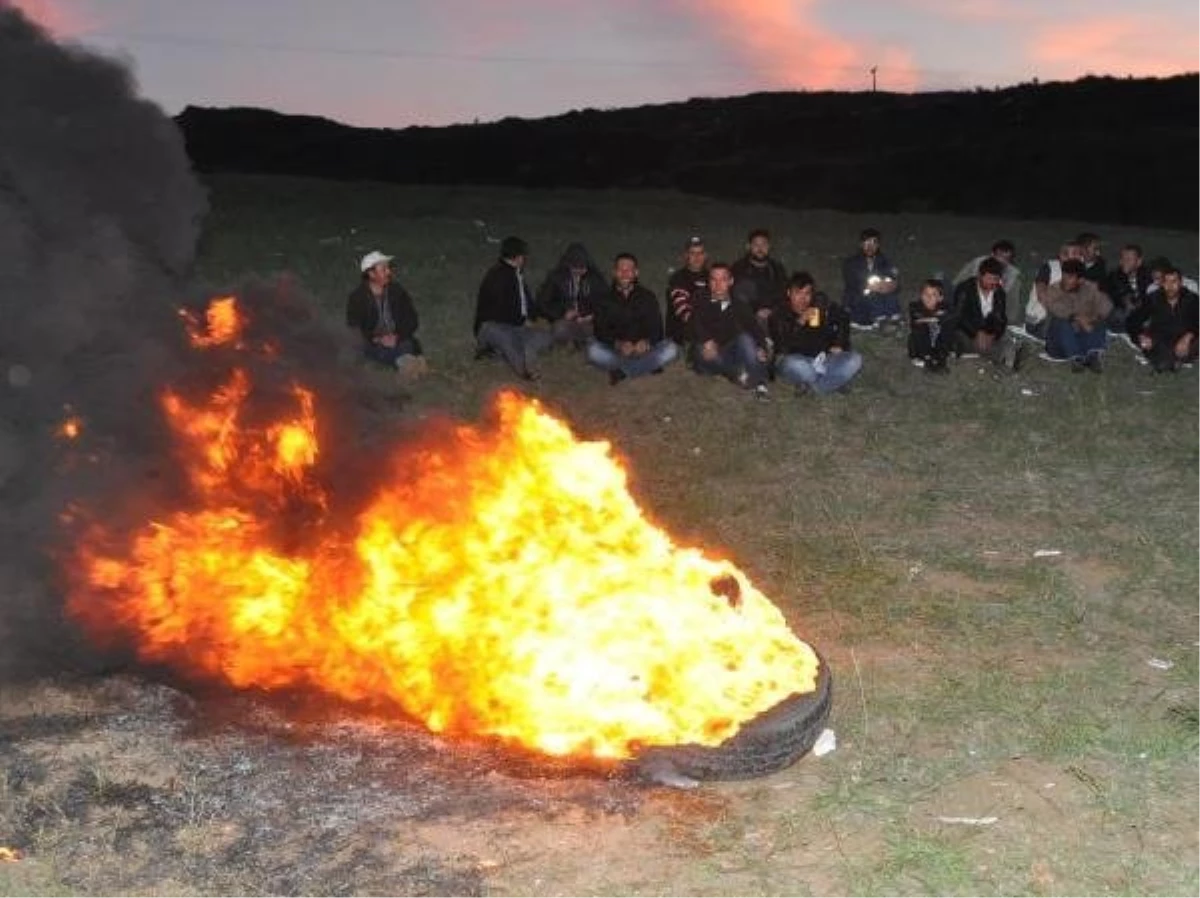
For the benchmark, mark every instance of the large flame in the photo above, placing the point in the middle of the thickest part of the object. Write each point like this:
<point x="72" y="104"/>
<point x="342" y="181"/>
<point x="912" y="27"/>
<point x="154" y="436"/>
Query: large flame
<point x="501" y="582"/>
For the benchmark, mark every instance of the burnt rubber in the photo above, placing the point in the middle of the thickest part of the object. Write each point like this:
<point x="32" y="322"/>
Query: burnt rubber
<point x="773" y="740"/>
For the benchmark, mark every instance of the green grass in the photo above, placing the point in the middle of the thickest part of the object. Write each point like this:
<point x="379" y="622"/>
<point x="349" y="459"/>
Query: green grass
<point x="895" y="526"/>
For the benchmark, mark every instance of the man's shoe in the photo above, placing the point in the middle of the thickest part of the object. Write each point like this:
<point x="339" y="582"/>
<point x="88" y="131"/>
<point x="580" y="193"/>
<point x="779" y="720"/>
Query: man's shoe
<point x="1095" y="361"/>
<point x="1020" y="357"/>
<point x="762" y="394"/>
<point x="1008" y="355"/>
<point x="1077" y="365"/>
<point x="616" y="376"/>
<point x="484" y="352"/>
<point x="530" y="375"/>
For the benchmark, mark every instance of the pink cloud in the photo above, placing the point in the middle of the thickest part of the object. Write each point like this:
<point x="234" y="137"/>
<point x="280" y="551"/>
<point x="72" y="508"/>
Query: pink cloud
<point x="62" y="20"/>
<point x="783" y="41"/>
<point x="1118" y="45"/>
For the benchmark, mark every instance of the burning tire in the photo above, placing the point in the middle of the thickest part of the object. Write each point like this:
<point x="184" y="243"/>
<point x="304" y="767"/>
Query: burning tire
<point x="770" y="742"/>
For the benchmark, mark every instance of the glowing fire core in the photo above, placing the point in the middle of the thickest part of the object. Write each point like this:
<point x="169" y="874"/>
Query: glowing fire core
<point x="501" y="581"/>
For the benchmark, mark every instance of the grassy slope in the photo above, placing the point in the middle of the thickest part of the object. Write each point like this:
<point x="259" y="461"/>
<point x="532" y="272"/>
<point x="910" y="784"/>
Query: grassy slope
<point x="895" y="526"/>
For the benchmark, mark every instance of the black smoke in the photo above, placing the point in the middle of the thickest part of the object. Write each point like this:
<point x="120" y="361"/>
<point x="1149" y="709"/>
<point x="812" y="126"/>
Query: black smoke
<point x="100" y="213"/>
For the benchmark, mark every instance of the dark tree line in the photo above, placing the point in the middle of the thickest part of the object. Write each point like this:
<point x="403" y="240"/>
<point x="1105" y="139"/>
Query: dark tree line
<point x="1121" y="151"/>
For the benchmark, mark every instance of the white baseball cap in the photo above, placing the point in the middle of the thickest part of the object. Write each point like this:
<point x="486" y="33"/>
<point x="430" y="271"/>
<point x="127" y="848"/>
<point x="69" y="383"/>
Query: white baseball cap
<point x="371" y="259"/>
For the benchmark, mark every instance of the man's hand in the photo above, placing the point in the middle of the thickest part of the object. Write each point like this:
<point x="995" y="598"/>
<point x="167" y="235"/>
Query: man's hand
<point x="1183" y="346"/>
<point x="571" y="315"/>
<point x="709" y="351"/>
<point x="885" y="285"/>
<point x="625" y="347"/>
<point x="1144" y="341"/>
<point x="763" y="314"/>
<point x="641" y="347"/>
<point x="388" y="340"/>
<point x="834" y="350"/>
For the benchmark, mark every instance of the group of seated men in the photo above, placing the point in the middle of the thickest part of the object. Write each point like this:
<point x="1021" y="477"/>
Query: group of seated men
<point x="752" y="322"/>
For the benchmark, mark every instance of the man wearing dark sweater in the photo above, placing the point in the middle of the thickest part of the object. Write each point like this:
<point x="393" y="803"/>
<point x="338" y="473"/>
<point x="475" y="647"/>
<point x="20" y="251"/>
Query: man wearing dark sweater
<point x="1166" y="326"/>
<point x="812" y="339"/>
<point x="629" y="339"/>
<point x="383" y="312"/>
<point x="504" y="306"/>
<point x="758" y="277"/>
<point x="726" y="335"/>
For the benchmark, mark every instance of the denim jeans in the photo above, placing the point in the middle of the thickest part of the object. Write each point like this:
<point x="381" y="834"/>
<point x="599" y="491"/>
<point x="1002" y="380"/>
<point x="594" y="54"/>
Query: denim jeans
<point x="1063" y="341"/>
<point x="520" y="345"/>
<point x="575" y="332"/>
<point x="737" y="357"/>
<point x="606" y="358"/>
<point x="801" y="370"/>
<point x="387" y="355"/>
<point x="870" y="308"/>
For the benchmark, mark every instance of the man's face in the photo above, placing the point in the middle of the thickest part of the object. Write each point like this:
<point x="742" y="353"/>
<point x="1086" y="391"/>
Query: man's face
<point x="1071" y="251"/>
<point x="719" y="282"/>
<point x="1129" y="260"/>
<point x="696" y="257"/>
<point x="578" y="271"/>
<point x="989" y="281"/>
<point x="1070" y="282"/>
<point x="800" y="298"/>
<point x="625" y="273"/>
<point x="1090" y="250"/>
<point x="1004" y="255"/>
<point x="930" y="297"/>
<point x="1172" y="284"/>
<point x="760" y="247"/>
<point x="379" y="273"/>
<point x="870" y="246"/>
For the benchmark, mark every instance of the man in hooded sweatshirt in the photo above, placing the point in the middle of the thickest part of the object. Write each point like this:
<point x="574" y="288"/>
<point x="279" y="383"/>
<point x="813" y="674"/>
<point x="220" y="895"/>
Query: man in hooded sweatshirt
<point x="568" y="295"/>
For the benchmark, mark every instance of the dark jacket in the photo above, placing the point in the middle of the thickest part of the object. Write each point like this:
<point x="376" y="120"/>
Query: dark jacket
<point x="559" y="291"/>
<point x="855" y="272"/>
<point x="683" y="288"/>
<point x="1125" y="291"/>
<point x="723" y="322"/>
<point x="1096" y="270"/>
<point x="362" y="311"/>
<point x="1164" y="323"/>
<point x="632" y="318"/>
<point x="762" y="286"/>
<point x="967" y="312"/>
<point x="794" y="335"/>
<point x="499" y="297"/>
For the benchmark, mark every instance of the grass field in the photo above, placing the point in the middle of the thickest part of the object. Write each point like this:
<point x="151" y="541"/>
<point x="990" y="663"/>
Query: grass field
<point x="1001" y="728"/>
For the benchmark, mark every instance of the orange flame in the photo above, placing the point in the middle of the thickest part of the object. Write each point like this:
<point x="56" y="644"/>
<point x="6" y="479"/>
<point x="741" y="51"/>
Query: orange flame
<point x="222" y="324"/>
<point x="9" y="855"/>
<point x="70" y="428"/>
<point x="502" y="582"/>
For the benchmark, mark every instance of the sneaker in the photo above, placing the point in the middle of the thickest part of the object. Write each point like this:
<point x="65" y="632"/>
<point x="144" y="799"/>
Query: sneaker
<point x="761" y="393"/>
<point x="1095" y="362"/>
<point x="616" y="376"/>
<point x="484" y="352"/>
<point x="862" y="327"/>
<point x="937" y="366"/>
<point x="917" y="363"/>
<point x="1077" y="365"/>
<point x="1046" y="357"/>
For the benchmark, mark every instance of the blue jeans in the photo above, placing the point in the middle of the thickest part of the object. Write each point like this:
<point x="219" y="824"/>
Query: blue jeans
<point x="737" y="357"/>
<point x="606" y="358"/>
<point x="387" y="355"/>
<point x="520" y="345"/>
<point x="1063" y="341"/>
<point x="870" y="308"/>
<point x="800" y="370"/>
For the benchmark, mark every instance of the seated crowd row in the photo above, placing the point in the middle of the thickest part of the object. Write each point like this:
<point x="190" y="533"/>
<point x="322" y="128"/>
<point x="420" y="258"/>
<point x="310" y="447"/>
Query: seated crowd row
<point x="752" y="322"/>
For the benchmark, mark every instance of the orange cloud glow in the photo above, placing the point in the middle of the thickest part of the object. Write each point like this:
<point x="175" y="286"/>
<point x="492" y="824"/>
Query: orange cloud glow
<point x="782" y="40"/>
<point x="1119" y="45"/>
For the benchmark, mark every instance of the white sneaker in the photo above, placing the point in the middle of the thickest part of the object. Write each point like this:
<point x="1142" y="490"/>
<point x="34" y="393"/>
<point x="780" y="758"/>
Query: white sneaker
<point x="819" y="363"/>
<point x="761" y="393"/>
<point x="918" y="363"/>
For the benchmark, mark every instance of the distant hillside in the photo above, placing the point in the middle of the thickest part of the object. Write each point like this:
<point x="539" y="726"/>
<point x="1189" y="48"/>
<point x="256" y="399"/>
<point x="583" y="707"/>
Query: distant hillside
<point x="1122" y="151"/>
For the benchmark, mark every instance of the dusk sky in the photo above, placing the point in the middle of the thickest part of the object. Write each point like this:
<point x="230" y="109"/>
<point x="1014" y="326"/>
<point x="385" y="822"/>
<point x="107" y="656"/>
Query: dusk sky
<point x="393" y="63"/>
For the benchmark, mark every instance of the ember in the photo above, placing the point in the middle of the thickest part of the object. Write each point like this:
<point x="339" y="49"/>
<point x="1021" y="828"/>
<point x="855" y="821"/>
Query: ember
<point x="502" y="581"/>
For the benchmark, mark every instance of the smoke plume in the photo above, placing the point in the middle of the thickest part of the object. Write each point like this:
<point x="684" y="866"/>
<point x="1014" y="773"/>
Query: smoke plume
<point x="99" y="218"/>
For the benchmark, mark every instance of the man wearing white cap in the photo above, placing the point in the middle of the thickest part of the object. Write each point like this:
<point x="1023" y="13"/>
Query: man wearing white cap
<point x="385" y="315"/>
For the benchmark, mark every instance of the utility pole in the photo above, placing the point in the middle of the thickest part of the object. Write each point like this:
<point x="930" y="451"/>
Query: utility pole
<point x="874" y="68"/>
